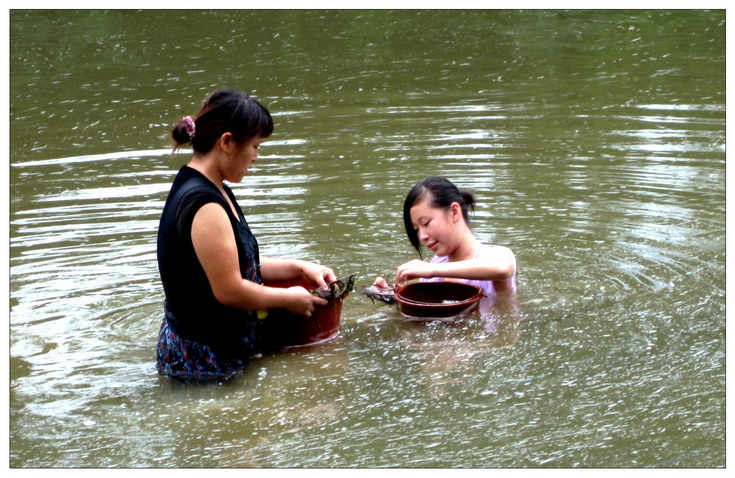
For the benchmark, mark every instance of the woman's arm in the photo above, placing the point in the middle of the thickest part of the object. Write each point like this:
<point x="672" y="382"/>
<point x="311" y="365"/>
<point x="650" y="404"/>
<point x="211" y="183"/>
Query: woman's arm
<point x="275" y="270"/>
<point x="216" y="249"/>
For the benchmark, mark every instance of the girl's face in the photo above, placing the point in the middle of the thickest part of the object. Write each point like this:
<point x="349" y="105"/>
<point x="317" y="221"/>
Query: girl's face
<point x="436" y="227"/>
<point x="242" y="159"/>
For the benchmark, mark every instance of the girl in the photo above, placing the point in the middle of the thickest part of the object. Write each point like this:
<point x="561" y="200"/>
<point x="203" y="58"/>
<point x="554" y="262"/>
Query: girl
<point x="436" y="214"/>
<point x="212" y="273"/>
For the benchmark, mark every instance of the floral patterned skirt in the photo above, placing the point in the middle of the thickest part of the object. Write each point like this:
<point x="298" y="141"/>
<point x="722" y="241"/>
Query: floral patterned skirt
<point x="189" y="361"/>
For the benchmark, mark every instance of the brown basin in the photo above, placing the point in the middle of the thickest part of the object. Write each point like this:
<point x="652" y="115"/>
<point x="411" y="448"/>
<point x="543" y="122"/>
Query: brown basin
<point x="436" y="300"/>
<point x="282" y="328"/>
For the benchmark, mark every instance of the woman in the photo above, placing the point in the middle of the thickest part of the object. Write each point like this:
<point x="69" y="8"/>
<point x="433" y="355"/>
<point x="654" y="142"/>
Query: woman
<point x="436" y="214"/>
<point x="212" y="273"/>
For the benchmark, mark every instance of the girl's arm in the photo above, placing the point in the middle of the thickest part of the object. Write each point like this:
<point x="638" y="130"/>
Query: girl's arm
<point x="496" y="263"/>
<point x="216" y="249"/>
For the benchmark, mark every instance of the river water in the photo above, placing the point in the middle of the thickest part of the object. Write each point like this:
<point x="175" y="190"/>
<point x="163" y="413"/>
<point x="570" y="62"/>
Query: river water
<point x="593" y="140"/>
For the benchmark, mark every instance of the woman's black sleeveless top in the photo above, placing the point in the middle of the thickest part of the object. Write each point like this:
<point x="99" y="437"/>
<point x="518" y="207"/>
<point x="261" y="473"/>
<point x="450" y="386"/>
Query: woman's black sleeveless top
<point x="191" y="308"/>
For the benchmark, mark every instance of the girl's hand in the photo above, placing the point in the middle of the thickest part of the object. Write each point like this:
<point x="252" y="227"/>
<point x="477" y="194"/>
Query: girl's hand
<point x="380" y="282"/>
<point x="413" y="270"/>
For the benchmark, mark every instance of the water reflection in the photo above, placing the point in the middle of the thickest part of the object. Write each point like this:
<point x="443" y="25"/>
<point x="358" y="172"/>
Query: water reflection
<point x="448" y="350"/>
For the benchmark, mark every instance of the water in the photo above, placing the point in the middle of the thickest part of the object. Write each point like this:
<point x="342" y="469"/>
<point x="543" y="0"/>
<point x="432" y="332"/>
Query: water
<point x="594" y="141"/>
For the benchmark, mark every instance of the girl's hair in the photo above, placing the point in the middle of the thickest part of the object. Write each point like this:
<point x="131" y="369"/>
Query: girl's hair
<point x="225" y="110"/>
<point x="441" y="193"/>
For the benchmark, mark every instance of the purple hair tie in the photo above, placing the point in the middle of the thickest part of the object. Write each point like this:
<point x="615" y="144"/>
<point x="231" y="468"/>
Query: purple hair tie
<point x="191" y="127"/>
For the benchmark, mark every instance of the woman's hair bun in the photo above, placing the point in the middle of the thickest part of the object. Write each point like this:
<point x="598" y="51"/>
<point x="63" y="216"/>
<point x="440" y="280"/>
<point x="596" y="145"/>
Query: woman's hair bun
<point x="180" y="134"/>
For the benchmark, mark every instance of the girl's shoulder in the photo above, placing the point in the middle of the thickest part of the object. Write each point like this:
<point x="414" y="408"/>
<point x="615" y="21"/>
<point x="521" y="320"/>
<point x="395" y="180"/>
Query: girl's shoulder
<point x="491" y="250"/>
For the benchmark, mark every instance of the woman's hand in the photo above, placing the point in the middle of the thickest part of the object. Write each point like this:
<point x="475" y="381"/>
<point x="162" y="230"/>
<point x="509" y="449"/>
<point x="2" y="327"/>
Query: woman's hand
<point x="280" y="270"/>
<point x="301" y="302"/>
<point x="317" y="274"/>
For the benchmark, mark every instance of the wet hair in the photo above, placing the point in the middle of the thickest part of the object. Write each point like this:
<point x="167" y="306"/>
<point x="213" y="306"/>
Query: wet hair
<point x="224" y="111"/>
<point x="441" y="193"/>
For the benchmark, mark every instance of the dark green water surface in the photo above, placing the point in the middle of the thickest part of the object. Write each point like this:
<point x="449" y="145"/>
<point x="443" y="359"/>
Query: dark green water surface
<point x="593" y="140"/>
